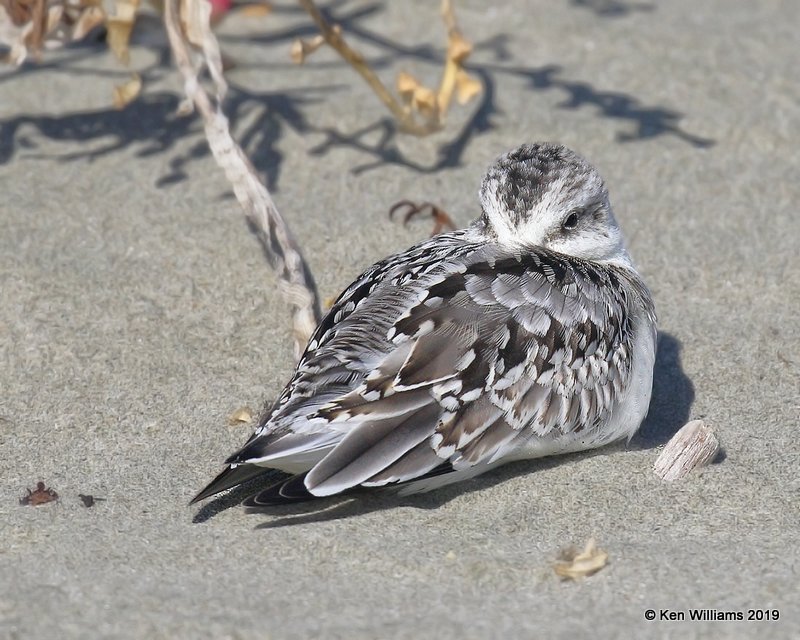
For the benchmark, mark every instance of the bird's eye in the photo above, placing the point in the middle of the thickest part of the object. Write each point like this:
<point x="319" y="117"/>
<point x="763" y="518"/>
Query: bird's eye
<point x="571" y="221"/>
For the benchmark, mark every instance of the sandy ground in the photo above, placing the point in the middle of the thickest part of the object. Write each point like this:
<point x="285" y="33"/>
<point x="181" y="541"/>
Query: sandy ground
<point x="137" y="314"/>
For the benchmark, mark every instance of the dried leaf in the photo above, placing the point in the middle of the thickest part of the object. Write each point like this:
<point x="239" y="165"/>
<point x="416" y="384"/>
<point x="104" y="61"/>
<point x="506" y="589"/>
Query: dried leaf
<point x="89" y="18"/>
<point x="14" y="35"/>
<point x="244" y="415"/>
<point x="185" y="108"/>
<point x="467" y="87"/>
<point x="298" y="50"/>
<point x="573" y="564"/>
<point x="458" y="47"/>
<point x="127" y="92"/>
<point x="301" y="49"/>
<point x="54" y="15"/>
<point x="425" y="101"/>
<point x="256" y="9"/>
<point x="409" y="209"/>
<point x="31" y="25"/>
<point x="40" y="495"/>
<point x="34" y="39"/>
<point x="120" y="27"/>
<point x="19" y="13"/>
<point x="694" y="445"/>
<point x="406" y="85"/>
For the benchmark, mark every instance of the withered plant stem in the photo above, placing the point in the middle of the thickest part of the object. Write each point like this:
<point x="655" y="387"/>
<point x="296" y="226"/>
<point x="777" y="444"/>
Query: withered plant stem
<point x="356" y="60"/>
<point x="294" y="276"/>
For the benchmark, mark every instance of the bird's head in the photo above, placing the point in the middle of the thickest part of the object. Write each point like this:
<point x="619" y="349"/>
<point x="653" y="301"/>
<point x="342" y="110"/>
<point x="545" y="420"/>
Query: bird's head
<point x="544" y="195"/>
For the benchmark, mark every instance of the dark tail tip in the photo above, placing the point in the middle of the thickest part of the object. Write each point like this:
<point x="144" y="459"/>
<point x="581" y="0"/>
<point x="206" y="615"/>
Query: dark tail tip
<point x="231" y="477"/>
<point x="289" y="491"/>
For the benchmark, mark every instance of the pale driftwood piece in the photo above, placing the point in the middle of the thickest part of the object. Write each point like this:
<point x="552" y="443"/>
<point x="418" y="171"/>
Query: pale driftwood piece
<point x="294" y="277"/>
<point x="695" y="445"/>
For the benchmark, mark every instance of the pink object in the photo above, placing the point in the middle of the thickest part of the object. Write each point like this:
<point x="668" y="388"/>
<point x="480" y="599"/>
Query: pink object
<point x="219" y="8"/>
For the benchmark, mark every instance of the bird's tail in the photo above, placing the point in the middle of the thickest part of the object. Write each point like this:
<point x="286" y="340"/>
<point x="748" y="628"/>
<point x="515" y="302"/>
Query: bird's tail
<point x="232" y="476"/>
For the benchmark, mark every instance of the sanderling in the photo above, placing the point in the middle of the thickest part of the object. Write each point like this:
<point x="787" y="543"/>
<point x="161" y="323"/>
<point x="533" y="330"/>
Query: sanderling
<point x="527" y="334"/>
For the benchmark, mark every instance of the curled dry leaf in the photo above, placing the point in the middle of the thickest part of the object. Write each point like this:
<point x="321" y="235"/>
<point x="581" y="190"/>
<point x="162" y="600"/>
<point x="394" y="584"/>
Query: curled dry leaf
<point x="573" y="564"/>
<point x="458" y="47"/>
<point x="423" y="100"/>
<point x="302" y="48"/>
<point x="40" y="495"/>
<point x="244" y="415"/>
<point x="127" y="92"/>
<point x="695" y="445"/>
<point x="467" y="87"/>
<point x="409" y="209"/>
<point x="406" y="85"/>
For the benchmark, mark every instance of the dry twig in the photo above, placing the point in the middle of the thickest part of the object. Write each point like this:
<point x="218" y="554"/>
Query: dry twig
<point x="422" y="110"/>
<point x="410" y="209"/>
<point x="694" y="445"/>
<point x="295" y="279"/>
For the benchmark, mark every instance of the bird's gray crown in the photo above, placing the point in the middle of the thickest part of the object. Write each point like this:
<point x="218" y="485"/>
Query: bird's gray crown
<point x="522" y="178"/>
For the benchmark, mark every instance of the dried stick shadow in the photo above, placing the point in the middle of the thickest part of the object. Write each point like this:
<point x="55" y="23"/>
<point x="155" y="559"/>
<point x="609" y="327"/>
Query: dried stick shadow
<point x="384" y="150"/>
<point x="152" y="126"/>
<point x="275" y="113"/>
<point x="151" y="120"/>
<point x="613" y="8"/>
<point x="647" y="121"/>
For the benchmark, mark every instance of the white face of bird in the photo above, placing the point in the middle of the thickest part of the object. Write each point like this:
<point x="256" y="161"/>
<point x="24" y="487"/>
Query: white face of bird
<point x="547" y="196"/>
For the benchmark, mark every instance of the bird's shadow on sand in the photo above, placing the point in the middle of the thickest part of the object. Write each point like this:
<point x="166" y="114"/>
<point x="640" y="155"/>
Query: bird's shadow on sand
<point x="670" y="407"/>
